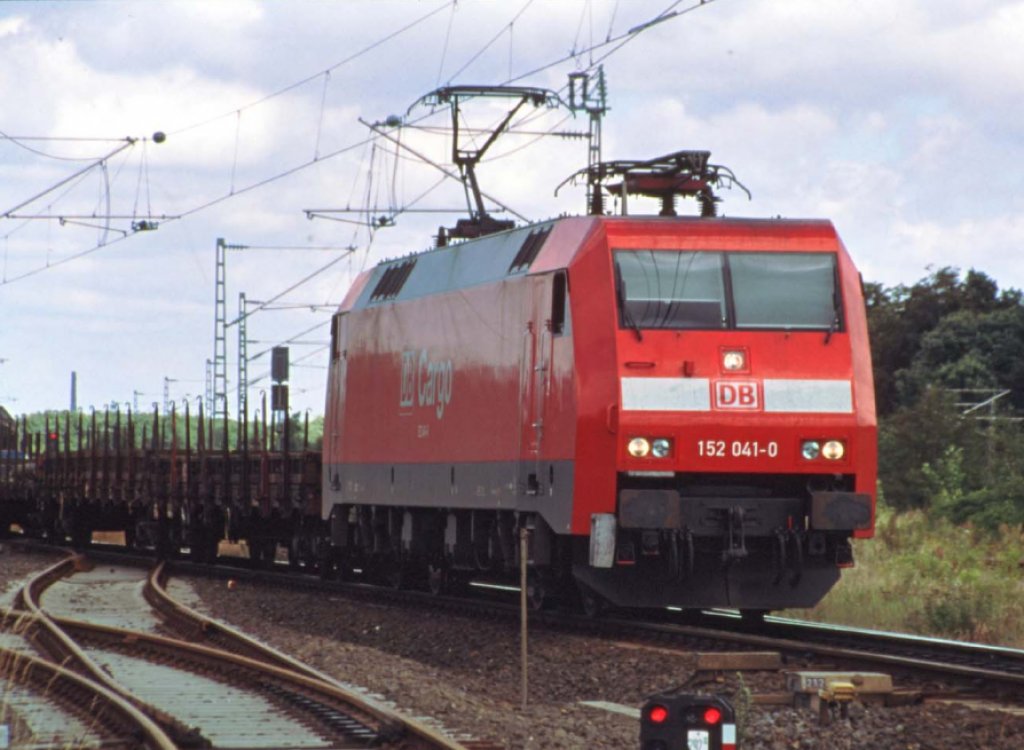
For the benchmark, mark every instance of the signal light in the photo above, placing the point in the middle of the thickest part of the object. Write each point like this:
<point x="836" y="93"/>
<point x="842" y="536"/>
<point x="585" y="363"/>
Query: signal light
<point x="658" y="714"/>
<point x="676" y="721"/>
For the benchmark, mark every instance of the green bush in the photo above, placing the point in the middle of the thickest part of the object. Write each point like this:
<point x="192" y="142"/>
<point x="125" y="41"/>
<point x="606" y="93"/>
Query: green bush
<point x="923" y="573"/>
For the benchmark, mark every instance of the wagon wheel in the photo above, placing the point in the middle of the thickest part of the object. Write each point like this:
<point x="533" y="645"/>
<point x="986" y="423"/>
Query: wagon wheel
<point x="396" y="574"/>
<point x="437" y="578"/>
<point x="327" y="563"/>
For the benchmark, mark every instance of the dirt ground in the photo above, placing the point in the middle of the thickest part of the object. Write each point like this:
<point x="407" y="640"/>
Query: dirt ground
<point x="464" y="673"/>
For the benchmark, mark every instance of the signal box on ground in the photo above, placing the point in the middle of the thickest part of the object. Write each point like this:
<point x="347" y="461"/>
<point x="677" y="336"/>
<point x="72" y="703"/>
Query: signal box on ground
<point x="687" y="722"/>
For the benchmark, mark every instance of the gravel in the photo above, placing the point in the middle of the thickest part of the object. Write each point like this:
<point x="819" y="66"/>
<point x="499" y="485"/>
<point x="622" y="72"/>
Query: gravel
<point x="464" y="673"/>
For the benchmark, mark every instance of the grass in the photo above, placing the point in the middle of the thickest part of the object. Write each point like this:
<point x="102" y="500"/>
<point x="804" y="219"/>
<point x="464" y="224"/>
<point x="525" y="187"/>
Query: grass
<point x="925" y="575"/>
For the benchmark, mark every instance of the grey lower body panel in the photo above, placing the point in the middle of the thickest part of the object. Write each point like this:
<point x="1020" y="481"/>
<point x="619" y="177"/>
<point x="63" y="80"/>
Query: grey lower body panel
<point x="542" y="487"/>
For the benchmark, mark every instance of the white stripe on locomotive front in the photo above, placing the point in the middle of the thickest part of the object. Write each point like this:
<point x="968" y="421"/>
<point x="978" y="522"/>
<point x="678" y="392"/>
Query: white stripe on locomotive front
<point x="694" y="394"/>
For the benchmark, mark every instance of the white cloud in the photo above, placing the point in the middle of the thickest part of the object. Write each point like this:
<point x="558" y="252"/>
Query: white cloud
<point x="900" y="122"/>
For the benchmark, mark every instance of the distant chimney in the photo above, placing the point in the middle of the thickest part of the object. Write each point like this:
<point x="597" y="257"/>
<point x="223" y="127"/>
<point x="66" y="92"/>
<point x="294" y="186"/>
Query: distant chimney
<point x="74" y="391"/>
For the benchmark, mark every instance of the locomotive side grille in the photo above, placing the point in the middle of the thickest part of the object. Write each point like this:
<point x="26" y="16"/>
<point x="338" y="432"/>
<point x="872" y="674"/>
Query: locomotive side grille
<point x="529" y="250"/>
<point x="392" y="281"/>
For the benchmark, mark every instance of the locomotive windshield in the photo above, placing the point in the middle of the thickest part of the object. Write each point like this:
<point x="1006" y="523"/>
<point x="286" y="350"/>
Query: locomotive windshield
<point x="708" y="290"/>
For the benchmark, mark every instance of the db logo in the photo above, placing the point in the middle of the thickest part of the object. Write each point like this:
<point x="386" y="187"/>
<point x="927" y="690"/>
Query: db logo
<point x="736" y="394"/>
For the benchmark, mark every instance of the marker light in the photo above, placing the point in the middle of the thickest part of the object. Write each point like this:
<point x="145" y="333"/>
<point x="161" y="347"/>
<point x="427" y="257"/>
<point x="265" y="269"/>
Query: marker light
<point x="712" y="715"/>
<point x="661" y="447"/>
<point x="734" y="359"/>
<point x="810" y="449"/>
<point x="639" y="447"/>
<point x="657" y="714"/>
<point x="833" y="450"/>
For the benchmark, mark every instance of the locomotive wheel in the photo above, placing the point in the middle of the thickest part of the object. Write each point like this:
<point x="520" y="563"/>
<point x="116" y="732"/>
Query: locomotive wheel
<point x="537" y="591"/>
<point x="797" y="560"/>
<point x="592" y="603"/>
<point x="753" y="616"/>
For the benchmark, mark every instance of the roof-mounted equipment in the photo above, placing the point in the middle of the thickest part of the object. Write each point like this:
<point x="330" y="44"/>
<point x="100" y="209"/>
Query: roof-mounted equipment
<point x="682" y="173"/>
<point x="480" y="222"/>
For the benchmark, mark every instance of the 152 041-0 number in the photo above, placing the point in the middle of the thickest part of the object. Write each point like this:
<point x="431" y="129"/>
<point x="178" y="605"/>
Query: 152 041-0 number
<point x="737" y="449"/>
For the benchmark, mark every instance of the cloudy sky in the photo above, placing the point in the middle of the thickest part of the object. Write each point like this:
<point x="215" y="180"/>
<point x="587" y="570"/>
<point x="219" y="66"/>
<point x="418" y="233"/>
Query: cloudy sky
<point x="899" y="121"/>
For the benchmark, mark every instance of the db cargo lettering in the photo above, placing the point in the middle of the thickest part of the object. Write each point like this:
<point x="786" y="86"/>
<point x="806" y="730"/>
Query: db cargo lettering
<point x="426" y="382"/>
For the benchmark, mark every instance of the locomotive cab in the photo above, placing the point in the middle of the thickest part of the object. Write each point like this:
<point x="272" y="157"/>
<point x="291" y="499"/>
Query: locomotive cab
<point x="744" y="426"/>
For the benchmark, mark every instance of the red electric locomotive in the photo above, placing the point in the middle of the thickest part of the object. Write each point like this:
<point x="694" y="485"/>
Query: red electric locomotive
<point x="680" y="410"/>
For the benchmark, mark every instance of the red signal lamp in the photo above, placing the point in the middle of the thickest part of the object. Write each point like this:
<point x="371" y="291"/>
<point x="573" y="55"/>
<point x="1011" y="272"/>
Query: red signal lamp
<point x="712" y="715"/>
<point x="657" y="714"/>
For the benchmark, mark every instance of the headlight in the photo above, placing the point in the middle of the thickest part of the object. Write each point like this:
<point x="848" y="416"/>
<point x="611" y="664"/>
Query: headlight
<point x="638" y="447"/>
<point x="833" y="450"/>
<point x="810" y="449"/>
<point x="734" y="359"/>
<point x="661" y="447"/>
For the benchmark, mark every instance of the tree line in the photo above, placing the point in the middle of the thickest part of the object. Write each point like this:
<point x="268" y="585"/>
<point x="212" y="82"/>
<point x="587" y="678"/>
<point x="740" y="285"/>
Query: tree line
<point x="948" y="358"/>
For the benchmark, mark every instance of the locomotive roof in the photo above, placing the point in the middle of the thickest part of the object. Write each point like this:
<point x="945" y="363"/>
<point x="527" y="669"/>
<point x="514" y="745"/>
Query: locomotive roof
<point x="519" y="251"/>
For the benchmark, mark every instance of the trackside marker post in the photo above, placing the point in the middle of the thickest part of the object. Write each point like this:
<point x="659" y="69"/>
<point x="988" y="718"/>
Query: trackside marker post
<point x="523" y="553"/>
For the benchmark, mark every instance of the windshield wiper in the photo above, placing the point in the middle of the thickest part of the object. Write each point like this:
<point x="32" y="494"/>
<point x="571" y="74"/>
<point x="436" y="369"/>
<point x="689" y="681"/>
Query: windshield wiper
<point x="832" y="328"/>
<point x="627" y="317"/>
<point x="837" y="308"/>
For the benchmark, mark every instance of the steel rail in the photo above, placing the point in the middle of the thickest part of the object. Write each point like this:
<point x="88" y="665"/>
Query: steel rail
<point x="808" y="645"/>
<point x="235" y="669"/>
<point x="954" y="651"/>
<point x="61" y="637"/>
<point x="194" y="626"/>
<point x="943" y="657"/>
<point x="933" y="655"/>
<point x="226" y="638"/>
<point x="83" y="697"/>
<point x="51" y="639"/>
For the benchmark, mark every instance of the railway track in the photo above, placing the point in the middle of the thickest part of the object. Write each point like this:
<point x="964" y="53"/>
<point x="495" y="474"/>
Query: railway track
<point x="948" y="665"/>
<point x="199" y="694"/>
<point x="48" y="706"/>
<point x="972" y="661"/>
<point x="941" y="675"/>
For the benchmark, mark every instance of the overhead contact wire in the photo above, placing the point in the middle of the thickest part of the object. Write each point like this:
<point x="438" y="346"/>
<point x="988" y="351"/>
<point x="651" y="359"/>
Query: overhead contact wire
<point x="304" y="81"/>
